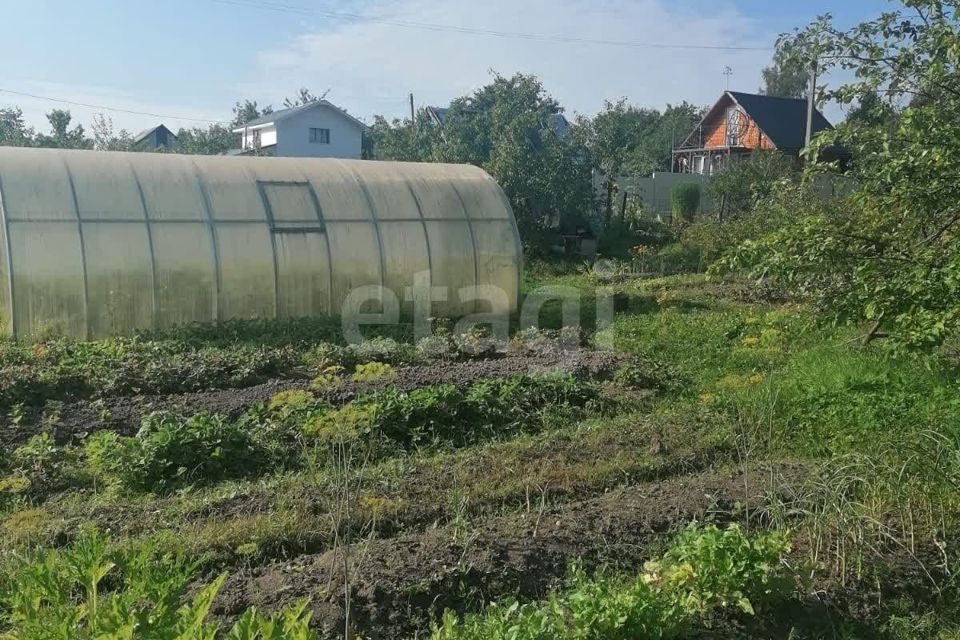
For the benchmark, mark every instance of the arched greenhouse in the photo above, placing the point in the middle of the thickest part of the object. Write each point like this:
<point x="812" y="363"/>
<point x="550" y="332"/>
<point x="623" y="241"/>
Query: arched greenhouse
<point x="100" y="243"/>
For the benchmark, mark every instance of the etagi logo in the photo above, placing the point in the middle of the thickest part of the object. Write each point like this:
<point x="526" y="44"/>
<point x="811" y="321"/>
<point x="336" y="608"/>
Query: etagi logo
<point x="495" y="302"/>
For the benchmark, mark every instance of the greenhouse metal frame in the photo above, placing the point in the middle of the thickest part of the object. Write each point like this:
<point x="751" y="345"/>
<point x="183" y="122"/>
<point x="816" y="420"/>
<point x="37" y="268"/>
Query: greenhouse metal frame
<point x="104" y="243"/>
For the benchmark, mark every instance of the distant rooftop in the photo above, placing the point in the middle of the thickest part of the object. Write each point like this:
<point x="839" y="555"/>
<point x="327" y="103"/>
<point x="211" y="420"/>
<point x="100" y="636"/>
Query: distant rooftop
<point x="283" y="114"/>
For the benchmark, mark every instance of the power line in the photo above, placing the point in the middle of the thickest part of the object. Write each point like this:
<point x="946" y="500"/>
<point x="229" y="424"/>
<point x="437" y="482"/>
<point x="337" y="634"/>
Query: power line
<point x="429" y="26"/>
<point x="116" y="109"/>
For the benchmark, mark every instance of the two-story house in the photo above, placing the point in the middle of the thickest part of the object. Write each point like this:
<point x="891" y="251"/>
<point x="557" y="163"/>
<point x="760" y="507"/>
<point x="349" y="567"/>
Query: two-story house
<point x="318" y="129"/>
<point x="739" y="124"/>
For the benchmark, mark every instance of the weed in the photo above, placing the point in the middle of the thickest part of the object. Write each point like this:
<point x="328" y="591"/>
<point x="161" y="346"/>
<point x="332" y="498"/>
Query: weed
<point x="329" y="379"/>
<point x="706" y="570"/>
<point x="373" y="373"/>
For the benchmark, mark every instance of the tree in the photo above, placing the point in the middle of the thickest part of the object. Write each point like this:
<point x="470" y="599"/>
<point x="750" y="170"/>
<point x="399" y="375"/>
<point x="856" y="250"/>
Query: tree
<point x="401" y="140"/>
<point x="788" y="76"/>
<point x="509" y="128"/>
<point x="244" y="112"/>
<point x="627" y="140"/>
<point x="889" y="252"/>
<point x="742" y="186"/>
<point x="104" y="138"/>
<point x="872" y="110"/>
<point x="304" y="96"/>
<point x="613" y="137"/>
<point x="13" y="129"/>
<point x="214" y="140"/>
<point x="61" y="135"/>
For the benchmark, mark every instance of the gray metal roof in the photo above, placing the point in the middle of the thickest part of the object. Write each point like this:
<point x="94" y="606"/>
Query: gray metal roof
<point x="146" y="132"/>
<point x="283" y="114"/>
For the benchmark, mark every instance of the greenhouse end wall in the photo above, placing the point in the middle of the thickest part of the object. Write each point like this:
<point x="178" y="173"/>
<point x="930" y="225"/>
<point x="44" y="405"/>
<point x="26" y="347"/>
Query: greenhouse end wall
<point x="104" y="243"/>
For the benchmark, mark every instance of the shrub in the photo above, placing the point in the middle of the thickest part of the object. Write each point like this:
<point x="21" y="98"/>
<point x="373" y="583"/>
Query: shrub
<point x="685" y="201"/>
<point x="740" y="186"/>
<point x="169" y="452"/>
<point x="435" y="348"/>
<point x="678" y="258"/>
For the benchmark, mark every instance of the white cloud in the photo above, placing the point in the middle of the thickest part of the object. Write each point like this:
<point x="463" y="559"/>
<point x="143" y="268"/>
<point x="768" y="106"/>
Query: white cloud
<point x="371" y="66"/>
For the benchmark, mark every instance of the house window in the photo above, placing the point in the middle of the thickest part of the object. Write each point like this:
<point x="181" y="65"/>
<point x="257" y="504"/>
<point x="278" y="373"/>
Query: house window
<point x="735" y="126"/>
<point x="319" y="136"/>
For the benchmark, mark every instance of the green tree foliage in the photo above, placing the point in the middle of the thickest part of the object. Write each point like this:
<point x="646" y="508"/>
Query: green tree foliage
<point x="624" y="139"/>
<point x="61" y="136"/>
<point x="789" y="74"/>
<point x="213" y="140"/>
<point x="104" y="138"/>
<point x="13" y="129"/>
<point x="244" y="112"/>
<point x="741" y="186"/>
<point x="304" y="96"/>
<point x="872" y="110"/>
<point x="889" y="252"/>
<point x="510" y="129"/>
<point x="400" y="140"/>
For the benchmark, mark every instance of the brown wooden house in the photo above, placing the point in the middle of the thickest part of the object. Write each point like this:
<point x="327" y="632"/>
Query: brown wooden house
<point x="741" y="123"/>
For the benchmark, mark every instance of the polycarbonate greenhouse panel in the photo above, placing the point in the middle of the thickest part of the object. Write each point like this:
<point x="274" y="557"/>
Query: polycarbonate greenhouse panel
<point x="101" y="243"/>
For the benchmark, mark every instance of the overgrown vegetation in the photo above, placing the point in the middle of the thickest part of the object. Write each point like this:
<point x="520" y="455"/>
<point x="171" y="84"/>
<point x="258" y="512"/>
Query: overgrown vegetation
<point x="706" y="571"/>
<point x="96" y="590"/>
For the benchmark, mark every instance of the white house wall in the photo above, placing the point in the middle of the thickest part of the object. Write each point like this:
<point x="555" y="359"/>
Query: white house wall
<point x="268" y="137"/>
<point x="293" y="138"/>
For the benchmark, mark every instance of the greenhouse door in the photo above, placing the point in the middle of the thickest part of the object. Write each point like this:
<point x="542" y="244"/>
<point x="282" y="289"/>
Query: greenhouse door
<point x="301" y="249"/>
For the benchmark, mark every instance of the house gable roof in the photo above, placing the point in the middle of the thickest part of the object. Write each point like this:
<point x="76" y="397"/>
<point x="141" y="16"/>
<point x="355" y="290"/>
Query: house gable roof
<point x="782" y="120"/>
<point x="143" y="135"/>
<point x="284" y="114"/>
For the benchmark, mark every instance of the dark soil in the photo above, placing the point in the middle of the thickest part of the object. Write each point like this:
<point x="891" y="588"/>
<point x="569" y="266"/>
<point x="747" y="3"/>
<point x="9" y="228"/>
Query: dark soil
<point x="124" y="414"/>
<point x="401" y="584"/>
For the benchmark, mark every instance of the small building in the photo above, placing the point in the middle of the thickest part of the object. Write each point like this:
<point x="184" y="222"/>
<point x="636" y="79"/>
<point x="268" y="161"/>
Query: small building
<point x="318" y="129"/>
<point x="159" y="138"/>
<point x="97" y="243"/>
<point x="741" y="123"/>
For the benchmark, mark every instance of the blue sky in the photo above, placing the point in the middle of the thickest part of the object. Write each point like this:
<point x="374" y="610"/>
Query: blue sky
<point x="195" y="58"/>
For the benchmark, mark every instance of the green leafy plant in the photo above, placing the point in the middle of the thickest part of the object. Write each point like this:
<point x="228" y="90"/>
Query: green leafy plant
<point x="705" y="571"/>
<point x="93" y="590"/>
<point x="685" y="201"/>
<point x="169" y="452"/>
<point x="329" y="379"/>
<point x="374" y="372"/>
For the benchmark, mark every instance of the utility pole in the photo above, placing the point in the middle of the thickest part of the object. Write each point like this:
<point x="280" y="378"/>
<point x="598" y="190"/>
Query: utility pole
<point x="413" y="112"/>
<point x="811" y="100"/>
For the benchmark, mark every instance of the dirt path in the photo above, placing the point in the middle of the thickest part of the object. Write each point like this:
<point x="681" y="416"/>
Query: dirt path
<point x="403" y="583"/>
<point x="123" y="414"/>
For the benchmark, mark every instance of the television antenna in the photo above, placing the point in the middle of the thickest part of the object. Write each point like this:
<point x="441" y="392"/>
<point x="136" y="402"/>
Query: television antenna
<point x="728" y="72"/>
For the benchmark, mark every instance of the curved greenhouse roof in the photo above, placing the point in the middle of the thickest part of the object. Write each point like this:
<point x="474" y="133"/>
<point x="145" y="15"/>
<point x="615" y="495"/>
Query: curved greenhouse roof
<point x="100" y="243"/>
